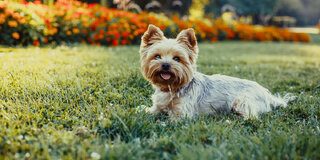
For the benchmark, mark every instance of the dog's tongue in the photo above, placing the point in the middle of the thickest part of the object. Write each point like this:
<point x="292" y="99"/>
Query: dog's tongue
<point x="165" y="76"/>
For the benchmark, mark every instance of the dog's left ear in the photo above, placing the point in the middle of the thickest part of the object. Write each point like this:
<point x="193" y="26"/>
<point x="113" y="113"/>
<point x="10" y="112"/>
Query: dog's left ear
<point x="188" y="38"/>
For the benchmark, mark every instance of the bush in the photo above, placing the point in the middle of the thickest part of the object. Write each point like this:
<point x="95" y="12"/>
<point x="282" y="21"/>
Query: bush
<point x="74" y="21"/>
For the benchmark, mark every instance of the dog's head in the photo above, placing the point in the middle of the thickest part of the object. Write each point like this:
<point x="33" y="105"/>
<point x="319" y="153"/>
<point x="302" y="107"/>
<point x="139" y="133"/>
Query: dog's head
<point x="168" y="61"/>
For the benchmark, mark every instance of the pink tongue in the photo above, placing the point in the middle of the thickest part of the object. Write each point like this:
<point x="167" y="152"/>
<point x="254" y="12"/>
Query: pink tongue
<point x="165" y="76"/>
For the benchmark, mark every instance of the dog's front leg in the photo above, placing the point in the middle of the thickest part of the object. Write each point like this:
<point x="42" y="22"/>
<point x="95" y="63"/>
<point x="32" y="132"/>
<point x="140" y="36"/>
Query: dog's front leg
<point x="153" y="110"/>
<point x="180" y="108"/>
<point x="160" y="103"/>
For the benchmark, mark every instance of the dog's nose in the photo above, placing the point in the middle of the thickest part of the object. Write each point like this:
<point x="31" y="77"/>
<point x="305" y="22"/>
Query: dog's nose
<point x="165" y="66"/>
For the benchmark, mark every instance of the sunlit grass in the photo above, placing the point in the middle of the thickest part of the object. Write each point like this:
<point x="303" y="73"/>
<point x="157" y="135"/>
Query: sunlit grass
<point x="81" y="102"/>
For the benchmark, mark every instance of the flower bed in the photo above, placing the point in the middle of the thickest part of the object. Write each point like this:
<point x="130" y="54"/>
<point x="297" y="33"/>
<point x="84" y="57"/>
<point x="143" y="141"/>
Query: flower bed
<point x="73" y="21"/>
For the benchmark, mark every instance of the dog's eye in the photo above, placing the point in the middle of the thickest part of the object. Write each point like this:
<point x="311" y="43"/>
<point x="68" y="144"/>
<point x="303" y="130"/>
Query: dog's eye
<point x="176" y="59"/>
<point x="157" y="57"/>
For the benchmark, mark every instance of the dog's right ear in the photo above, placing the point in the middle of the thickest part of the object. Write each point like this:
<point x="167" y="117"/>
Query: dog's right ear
<point x="151" y="36"/>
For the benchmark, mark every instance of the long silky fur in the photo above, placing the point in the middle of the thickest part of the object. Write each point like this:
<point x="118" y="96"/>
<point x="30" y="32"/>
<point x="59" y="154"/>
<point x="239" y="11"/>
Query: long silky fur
<point x="193" y="93"/>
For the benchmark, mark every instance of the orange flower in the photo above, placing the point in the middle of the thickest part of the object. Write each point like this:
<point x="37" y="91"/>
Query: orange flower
<point x="15" y="35"/>
<point x="100" y="36"/>
<point x="85" y="31"/>
<point x="13" y="23"/>
<point x="15" y="15"/>
<point x="2" y="18"/>
<point x="214" y="40"/>
<point x="22" y="20"/>
<point x="230" y="35"/>
<point x="75" y="30"/>
<point x="69" y="33"/>
<point x="53" y="31"/>
<point x="45" y="40"/>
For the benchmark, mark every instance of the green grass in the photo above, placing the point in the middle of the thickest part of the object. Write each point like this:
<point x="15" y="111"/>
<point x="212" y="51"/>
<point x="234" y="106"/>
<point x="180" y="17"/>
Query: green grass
<point x="82" y="102"/>
<point x="315" y="38"/>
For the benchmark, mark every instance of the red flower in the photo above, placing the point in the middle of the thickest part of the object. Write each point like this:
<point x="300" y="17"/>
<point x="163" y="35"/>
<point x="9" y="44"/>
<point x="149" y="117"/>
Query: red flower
<point x="123" y="42"/>
<point x="117" y="35"/>
<point x="45" y="40"/>
<point x="37" y="2"/>
<point x="36" y="43"/>
<point x="47" y="20"/>
<point x="214" y="40"/>
<point x="115" y="42"/>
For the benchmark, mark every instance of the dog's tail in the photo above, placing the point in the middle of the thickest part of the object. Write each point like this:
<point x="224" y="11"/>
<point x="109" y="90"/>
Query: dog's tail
<point x="289" y="97"/>
<point x="283" y="101"/>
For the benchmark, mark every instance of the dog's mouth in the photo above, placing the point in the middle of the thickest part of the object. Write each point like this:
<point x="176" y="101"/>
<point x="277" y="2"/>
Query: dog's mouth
<point x="165" y="75"/>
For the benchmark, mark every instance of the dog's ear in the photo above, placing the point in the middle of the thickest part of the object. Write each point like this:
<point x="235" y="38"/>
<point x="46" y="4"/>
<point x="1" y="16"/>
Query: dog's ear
<point x="151" y="36"/>
<point x="188" y="38"/>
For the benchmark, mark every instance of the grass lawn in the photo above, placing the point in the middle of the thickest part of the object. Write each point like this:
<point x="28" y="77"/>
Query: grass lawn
<point x="82" y="102"/>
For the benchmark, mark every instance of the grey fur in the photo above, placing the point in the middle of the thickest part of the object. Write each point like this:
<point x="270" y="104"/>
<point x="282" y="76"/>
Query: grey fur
<point x="219" y="93"/>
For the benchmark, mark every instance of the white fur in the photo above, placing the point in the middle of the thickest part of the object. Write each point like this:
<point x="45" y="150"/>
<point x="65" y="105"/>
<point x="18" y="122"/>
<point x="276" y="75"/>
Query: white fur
<point x="203" y="94"/>
<point x="218" y="93"/>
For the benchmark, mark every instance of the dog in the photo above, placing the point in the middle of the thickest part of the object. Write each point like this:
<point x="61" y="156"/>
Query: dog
<point x="181" y="91"/>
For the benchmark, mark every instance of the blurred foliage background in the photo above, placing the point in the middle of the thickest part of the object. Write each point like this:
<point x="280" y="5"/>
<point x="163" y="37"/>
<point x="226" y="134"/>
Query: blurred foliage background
<point x="305" y="12"/>
<point x="121" y="22"/>
<point x="266" y="12"/>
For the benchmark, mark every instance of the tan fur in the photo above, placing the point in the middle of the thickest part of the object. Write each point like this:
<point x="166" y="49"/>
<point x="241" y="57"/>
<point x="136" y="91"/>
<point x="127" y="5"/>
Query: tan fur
<point x="170" y="65"/>
<point x="154" y="43"/>
<point x="173" y="106"/>
<point x="184" y="47"/>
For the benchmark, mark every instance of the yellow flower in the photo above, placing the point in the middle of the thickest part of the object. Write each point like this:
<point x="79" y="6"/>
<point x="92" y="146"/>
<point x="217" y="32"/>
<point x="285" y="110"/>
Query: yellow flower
<point x="173" y="29"/>
<point x="12" y="23"/>
<point x="32" y="23"/>
<point x="15" y="35"/>
<point x="203" y="35"/>
<point x="86" y="24"/>
<point x="45" y="31"/>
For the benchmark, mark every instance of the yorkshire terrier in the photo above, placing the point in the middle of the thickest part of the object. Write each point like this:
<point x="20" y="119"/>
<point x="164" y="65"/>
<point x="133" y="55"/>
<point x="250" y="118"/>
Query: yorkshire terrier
<point x="170" y="65"/>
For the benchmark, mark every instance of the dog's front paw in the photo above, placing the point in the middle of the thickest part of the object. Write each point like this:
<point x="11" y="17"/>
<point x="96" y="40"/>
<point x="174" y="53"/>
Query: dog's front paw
<point x="152" y="110"/>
